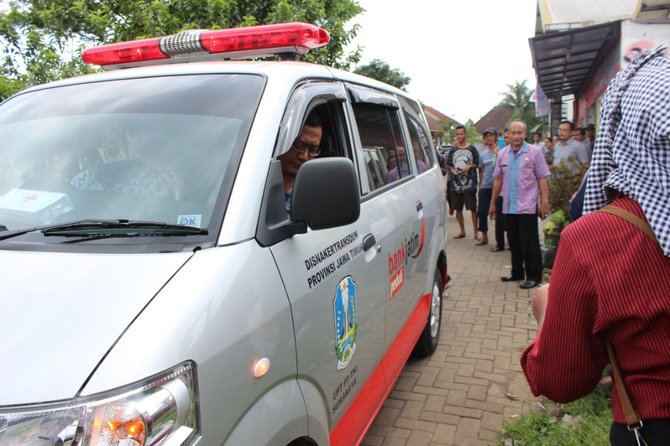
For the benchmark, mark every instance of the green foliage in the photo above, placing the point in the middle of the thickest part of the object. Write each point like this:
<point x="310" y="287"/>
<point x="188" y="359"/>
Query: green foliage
<point x="380" y="70"/>
<point x="553" y="227"/>
<point x="587" y="423"/>
<point x="559" y="218"/>
<point x="564" y="181"/>
<point x="517" y="98"/>
<point x="41" y="39"/>
<point x="471" y="133"/>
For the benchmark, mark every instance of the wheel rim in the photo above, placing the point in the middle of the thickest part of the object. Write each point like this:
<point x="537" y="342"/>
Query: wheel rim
<point x="435" y="310"/>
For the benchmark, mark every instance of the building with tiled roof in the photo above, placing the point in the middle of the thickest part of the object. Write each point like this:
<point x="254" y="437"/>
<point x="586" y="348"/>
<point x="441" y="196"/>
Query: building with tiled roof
<point x="497" y="118"/>
<point x="437" y="121"/>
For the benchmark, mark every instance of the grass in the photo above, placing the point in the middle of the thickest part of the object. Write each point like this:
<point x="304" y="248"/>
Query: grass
<point x="583" y="422"/>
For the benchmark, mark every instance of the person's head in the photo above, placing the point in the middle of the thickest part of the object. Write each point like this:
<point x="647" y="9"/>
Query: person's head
<point x="304" y="148"/>
<point x="490" y="136"/>
<point x="579" y="133"/>
<point x="537" y="137"/>
<point x="549" y="143"/>
<point x="591" y="131"/>
<point x="460" y="135"/>
<point x="391" y="162"/>
<point x="634" y="125"/>
<point x="401" y="155"/>
<point x="113" y="145"/>
<point x="565" y="129"/>
<point x="517" y="134"/>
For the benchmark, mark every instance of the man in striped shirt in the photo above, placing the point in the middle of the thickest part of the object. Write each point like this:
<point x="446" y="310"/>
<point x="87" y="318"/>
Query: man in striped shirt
<point x="610" y="277"/>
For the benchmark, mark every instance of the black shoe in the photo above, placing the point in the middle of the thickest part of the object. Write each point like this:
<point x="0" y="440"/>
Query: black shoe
<point x="529" y="284"/>
<point x="510" y="278"/>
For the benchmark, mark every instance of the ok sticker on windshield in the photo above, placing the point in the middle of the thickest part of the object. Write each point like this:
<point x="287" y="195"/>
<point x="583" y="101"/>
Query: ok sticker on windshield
<point x="190" y="220"/>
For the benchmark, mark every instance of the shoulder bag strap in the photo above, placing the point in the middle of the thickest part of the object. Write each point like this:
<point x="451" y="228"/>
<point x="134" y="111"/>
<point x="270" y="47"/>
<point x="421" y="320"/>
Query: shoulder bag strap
<point x="631" y="417"/>
<point x="632" y="218"/>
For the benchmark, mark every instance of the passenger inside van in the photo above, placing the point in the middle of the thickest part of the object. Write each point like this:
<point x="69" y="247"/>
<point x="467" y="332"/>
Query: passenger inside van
<point x="402" y="169"/>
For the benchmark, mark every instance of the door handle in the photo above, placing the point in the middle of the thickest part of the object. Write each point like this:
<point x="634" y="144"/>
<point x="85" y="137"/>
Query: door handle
<point x="368" y="242"/>
<point x="419" y="206"/>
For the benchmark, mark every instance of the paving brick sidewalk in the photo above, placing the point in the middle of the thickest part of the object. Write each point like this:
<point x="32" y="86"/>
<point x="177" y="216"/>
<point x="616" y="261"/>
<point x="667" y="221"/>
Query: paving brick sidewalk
<point x="463" y="393"/>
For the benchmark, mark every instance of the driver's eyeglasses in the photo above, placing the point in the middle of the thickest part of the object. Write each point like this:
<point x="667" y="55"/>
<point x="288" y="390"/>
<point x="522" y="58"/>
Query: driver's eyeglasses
<point x="301" y="147"/>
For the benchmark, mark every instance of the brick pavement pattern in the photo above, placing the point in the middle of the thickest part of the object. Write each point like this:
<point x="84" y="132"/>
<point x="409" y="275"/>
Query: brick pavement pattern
<point x="462" y="394"/>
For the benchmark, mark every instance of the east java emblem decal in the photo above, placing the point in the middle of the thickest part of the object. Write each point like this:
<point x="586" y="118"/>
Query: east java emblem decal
<point x="345" y="314"/>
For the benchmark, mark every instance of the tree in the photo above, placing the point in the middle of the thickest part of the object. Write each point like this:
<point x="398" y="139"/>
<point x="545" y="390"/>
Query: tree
<point x="43" y="39"/>
<point x="517" y="98"/>
<point x="471" y="133"/>
<point x="380" y="70"/>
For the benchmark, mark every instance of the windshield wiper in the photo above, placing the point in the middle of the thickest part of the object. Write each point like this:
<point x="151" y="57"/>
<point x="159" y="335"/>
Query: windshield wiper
<point x="120" y="228"/>
<point x="16" y="233"/>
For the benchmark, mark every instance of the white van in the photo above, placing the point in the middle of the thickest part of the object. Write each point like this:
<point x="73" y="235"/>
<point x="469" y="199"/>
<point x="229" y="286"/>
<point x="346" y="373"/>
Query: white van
<point x="156" y="287"/>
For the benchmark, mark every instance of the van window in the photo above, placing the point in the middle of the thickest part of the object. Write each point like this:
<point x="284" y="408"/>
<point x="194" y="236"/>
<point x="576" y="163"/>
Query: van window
<point x="423" y="154"/>
<point x="383" y="146"/>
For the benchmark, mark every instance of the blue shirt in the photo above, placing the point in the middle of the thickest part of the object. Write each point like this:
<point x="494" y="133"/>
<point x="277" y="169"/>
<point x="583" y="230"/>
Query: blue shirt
<point x="520" y="171"/>
<point x="487" y="162"/>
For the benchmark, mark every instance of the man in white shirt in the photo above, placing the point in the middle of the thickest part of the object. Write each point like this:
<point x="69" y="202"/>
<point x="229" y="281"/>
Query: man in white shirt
<point x="568" y="150"/>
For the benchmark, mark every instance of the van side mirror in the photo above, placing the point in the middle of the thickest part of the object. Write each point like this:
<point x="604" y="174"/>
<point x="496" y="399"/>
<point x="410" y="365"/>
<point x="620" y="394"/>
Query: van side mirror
<point x="325" y="193"/>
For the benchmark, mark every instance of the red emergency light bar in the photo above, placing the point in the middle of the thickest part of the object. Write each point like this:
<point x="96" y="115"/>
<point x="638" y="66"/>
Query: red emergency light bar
<point x="252" y="41"/>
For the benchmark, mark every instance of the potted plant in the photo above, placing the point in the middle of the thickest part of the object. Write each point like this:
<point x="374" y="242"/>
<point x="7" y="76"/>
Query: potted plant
<point x="563" y="183"/>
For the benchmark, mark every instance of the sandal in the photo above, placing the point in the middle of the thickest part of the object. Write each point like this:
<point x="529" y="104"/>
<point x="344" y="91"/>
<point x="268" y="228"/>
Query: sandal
<point x="482" y="242"/>
<point x="496" y="249"/>
<point x="459" y="236"/>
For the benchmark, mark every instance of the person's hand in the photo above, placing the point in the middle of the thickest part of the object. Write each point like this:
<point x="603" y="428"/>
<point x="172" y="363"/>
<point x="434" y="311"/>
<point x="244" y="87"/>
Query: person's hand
<point x="539" y="302"/>
<point x="544" y="210"/>
<point x="492" y="211"/>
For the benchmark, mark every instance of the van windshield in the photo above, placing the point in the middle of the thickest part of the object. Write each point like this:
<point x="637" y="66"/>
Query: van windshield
<point x="160" y="149"/>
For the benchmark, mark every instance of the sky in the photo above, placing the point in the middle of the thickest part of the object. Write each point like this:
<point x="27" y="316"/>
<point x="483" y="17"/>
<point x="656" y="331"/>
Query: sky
<point x="459" y="54"/>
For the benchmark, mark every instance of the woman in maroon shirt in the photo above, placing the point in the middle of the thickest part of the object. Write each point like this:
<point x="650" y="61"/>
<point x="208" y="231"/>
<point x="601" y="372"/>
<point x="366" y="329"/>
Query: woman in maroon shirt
<point x="610" y="280"/>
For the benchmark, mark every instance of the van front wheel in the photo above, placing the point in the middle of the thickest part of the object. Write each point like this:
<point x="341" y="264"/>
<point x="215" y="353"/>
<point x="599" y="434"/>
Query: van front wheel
<point x="430" y="336"/>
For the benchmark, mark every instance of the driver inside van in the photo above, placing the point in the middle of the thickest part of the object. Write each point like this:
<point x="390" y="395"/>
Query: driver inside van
<point x="110" y="167"/>
<point x="305" y="147"/>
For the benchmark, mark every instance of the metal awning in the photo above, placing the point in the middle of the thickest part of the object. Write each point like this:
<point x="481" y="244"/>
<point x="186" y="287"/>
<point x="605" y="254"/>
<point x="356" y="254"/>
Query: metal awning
<point x="565" y="61"/>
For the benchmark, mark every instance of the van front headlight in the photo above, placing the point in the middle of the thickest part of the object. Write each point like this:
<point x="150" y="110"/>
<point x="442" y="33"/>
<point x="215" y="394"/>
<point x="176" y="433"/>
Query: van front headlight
<point x="159" y="411"/>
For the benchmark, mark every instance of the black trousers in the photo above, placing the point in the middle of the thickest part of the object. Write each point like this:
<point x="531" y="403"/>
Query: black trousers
<point x="500" y="225"/>
<point x="524" y="242"/>
<point x="654" y="432"/>
<point x="483" y="209"/>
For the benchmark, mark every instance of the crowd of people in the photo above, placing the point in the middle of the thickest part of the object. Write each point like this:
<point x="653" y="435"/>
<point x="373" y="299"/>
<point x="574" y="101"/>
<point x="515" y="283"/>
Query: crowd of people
<point x="608" y="300"/>
<point x="479" y="180"/>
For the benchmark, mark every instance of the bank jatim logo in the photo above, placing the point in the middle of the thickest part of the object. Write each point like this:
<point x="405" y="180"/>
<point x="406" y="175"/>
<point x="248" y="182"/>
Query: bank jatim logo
<point x="411" y="247"/>
<point x="422" y="240"/>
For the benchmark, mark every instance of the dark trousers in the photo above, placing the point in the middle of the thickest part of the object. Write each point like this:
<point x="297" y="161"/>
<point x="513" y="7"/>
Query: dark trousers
<point x="654" y="432"/>
<point x="449" y="194"/>
<point x="500" y="224"/>
<point x="524" y="242"/>
<point x="483" y="209"/>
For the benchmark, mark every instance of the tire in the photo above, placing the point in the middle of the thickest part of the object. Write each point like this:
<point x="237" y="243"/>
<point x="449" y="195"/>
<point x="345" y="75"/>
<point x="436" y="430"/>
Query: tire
<point x="430" y="336"/>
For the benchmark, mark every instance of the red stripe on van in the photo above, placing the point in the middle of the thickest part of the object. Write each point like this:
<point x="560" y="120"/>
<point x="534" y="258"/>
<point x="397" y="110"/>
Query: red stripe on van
<point x="359" y="416"/>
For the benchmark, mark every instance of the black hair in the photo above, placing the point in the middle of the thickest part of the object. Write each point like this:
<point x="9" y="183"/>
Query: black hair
<point x="461" y="127"/>
<point x="313" y="120"/>
<point x="572" y="126"/>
